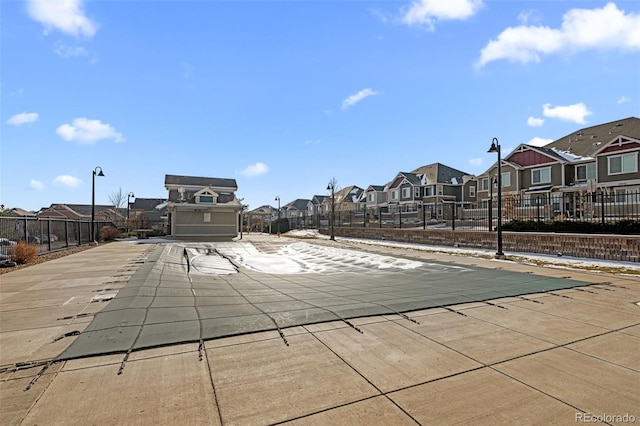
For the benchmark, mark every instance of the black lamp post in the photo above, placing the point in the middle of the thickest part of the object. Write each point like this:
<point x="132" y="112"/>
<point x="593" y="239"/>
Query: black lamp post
<point x="278" y="200"/>
<point x="93" y="201"/>
<point x="129" y="196"/>
<point x="333" y="203"/>
<point x="495" y="147"/>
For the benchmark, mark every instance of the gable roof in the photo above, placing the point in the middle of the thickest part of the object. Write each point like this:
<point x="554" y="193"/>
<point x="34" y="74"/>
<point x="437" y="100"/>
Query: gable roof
<point x="297" y="204"/>
<point x="349" y="194"/>
<point x="435" y="173"/>
<point x="147" y="203"/>
<point x="588" y="141"/>
<point x="195" y="181"/>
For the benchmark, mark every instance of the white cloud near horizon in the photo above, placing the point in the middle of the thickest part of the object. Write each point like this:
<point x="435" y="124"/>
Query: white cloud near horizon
<point x="86" y="132"/>
<point x="425" y="13"/>
<point x="23" y="118"/>
<point x="65" y="51"/>
<point x="535" y="121"/>
<point x="36" y="184"/>
<point x="354" y="99"/>
<point x="255" y="170"/>
<point x="67" y="181"/>
<point x="539" y="141"/>
<point x="575" y="113"/>
<point x="66" y="16"/>
<point x="623" y="99"/>
<point x="581" y="29"/>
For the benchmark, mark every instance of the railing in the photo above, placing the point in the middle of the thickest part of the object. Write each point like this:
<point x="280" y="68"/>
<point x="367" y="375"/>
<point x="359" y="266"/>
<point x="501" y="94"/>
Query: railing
<point x="48" y="233"/>
<point x="597" y="208"/>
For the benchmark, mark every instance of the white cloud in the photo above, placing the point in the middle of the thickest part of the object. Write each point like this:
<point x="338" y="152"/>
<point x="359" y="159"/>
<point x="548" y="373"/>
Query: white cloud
<point x="535" y="122"/>
<point x="23" y="118"/>
<point x="67" y="181"/>
<point x="529" y="16"/>
<point x="476" y="161"/>
<point x="66" y="16"/>
<point x="69" y="51"/>
<point x="36" y="184"/>
<point x="426" y="13"/>
<point x="255" y="170"/>
<point x="576" y="112"/>
<point x="354" y="99"/>
<point x="85" y="131"/>
<point x="539" y="141"/>
<point x="623" y="99"/>
<point x="581" y="29"/>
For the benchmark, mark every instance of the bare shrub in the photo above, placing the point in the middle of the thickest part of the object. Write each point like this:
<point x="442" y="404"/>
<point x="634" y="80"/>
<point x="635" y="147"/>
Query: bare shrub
<point x="23" y="253"/>
<point x="109" y="233"/>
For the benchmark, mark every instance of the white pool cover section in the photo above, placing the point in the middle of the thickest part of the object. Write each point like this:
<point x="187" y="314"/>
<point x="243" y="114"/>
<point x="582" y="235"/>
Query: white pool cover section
<point x="299" y="258"/>
<point x="196" y="292"/>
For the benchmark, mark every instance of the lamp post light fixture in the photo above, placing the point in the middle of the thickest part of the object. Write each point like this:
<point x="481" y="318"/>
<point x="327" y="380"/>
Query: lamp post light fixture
<point x="333" y="203"/>
<point x="93" y="201"/>
<point x="278" y="200"/>
<point x="495" y="147"/>
<point x="129" y="197"/>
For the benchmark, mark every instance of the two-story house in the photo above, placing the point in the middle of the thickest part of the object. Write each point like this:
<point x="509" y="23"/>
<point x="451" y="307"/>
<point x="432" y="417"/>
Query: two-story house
<point x="202" y="208"/>
<point x="600" y="160"/>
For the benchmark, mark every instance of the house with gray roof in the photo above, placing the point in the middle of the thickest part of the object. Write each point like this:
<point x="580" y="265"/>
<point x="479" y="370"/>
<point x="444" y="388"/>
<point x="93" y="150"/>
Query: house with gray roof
<point x="601" y="159"/>
<point x="202" y="208"/>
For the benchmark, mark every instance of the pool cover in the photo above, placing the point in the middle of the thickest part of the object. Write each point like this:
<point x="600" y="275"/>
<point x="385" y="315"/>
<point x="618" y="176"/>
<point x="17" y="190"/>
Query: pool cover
<point x="196" y="292"/>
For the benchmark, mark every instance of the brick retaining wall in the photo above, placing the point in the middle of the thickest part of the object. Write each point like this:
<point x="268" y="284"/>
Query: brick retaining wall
<point x="593" y="246"/>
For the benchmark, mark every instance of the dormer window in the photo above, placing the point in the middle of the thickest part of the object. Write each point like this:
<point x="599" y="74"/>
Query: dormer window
<point x="206" y="196"/>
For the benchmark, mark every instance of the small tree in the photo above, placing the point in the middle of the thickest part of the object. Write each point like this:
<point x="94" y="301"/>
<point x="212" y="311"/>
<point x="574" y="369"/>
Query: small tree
<point x="117" y="198"/>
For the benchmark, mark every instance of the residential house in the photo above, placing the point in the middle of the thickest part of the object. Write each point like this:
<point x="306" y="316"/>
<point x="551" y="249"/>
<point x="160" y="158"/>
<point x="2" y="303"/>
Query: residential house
<point x="18" y="212"/>
<point x="259" y="220"/>
<point x="315" y="208"/>
<point x="148" y="213"/>
<point x="202" y="208"/>
<point x="600" y="160"/>
<point x="347" y="201"/>
<point x="374" y="200"/>
<point x="297" y="212"/>
<point x="436" y="188"/>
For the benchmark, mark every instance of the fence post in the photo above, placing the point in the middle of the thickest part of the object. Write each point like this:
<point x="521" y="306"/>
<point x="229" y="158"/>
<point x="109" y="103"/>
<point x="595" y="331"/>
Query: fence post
<point x="26" y="231"/>
<point x="602" y="206"/>
<point x="453" y="216"/>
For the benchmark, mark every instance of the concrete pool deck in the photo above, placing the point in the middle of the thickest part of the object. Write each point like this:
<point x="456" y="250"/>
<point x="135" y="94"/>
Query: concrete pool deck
<point x="550" y="357"/>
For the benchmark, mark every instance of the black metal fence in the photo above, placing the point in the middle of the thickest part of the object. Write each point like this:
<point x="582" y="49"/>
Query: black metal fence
<point x="600" y="208"/>
<point x="48" y="233"/>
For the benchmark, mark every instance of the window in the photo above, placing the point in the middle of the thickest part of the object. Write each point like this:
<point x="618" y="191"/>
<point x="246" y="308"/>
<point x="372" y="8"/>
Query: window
<point x="207" y="217"/>
<point x="472" y="191"/>
<point x="428" y="192"/>
<point x="371" y="197"/>
<point x="406" y="192"/>
<point x="394" y="194"/>
<point x="484" y="184"/>
<point x="627" y="195"/>
<point x="205" y="199"/>
<point x="416" y="192"/>
<point x="586" y="172"/>
<point x="506" y="179"/>
<point x="542" y="175"/>
<point x="625" y="163"/>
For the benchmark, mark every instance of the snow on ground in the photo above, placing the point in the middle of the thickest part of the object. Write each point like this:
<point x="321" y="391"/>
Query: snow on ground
<point x="566" y="261"/>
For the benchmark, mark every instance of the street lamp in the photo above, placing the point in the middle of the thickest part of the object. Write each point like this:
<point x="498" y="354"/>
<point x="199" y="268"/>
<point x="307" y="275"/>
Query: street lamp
<point x="129" y="196"/>
<point x="93" y="201"/>
<point x="278" y="200"/>
<point x="332" y="187"/>
<point x="495" y="147"/>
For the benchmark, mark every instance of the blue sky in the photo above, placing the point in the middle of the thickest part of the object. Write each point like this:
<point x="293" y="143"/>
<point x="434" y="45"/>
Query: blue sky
<point x="285" y="95"/>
